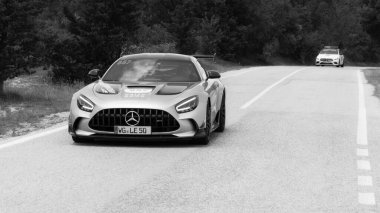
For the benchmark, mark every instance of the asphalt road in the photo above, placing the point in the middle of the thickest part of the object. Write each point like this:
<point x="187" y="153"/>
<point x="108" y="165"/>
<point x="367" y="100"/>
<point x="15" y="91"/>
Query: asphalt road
<point x="297" y="139"/>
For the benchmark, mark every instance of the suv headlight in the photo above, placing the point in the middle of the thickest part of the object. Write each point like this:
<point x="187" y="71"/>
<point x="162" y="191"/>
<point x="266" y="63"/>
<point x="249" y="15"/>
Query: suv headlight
<point x="187" y="105"/>
<point x="85" y="104"/>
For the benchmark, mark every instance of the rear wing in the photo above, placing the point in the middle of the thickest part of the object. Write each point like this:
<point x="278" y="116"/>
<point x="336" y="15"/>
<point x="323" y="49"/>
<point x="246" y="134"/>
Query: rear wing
<point x="205" y="57"/>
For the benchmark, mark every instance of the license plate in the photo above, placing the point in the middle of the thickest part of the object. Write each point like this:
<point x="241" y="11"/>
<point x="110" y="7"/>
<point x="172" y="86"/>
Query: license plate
<point x="133" y="130"/>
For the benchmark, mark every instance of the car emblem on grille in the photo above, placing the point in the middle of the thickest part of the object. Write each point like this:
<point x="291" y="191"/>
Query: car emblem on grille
<point x="132" y="118"/>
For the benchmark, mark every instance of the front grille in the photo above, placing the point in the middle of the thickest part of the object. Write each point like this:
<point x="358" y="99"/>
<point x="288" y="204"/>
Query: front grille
<point x="326" y="59"/>
<point x="158" y="120"/>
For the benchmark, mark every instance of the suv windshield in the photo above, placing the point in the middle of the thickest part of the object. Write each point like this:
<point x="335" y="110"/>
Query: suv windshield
<point x="329" y="51"/>
<point x="152" y="70"/>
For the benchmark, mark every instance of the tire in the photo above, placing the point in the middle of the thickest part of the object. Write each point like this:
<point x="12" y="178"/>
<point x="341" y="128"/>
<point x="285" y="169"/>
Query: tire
<point x="206" y="139"/>
<point x="342" y="65"/>
<point x="80" y="140"/>
<point x="222" y="115"/>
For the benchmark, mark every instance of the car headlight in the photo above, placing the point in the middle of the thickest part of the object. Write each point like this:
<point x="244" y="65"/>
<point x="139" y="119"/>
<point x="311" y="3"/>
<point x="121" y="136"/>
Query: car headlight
<point x="85" y="104"/>
<point x="187" y="105"/>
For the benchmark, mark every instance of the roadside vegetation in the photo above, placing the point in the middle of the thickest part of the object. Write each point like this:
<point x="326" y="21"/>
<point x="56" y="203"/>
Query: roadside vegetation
<point x="33" y="102"/>
<point x="373" y="77"/>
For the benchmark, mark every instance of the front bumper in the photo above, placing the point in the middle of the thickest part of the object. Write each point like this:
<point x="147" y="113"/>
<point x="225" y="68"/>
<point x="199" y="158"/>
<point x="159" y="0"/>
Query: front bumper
<point x="327" y="62"/>
<point x="191" y="124"/>
<point x="149" y="138"/>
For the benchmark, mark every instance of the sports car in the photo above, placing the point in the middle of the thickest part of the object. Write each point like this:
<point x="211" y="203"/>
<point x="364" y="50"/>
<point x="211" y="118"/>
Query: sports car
<point x="148" y="97"/>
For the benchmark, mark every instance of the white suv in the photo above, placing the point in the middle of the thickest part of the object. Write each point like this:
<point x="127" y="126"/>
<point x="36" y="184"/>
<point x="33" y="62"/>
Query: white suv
<point x="330" y="55"/>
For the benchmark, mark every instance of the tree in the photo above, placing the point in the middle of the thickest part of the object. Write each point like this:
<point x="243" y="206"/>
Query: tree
<point x="371" y="18"/>
<point x="181" y="26"/>
<point x="17" y="37"/>
<point x="99" y="30"/>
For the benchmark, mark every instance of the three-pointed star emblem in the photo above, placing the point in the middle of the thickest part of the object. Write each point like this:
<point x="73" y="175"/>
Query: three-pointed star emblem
<point x="132" y="118"/>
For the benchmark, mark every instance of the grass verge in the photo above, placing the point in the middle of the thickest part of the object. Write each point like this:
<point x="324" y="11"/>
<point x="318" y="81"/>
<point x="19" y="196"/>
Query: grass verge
<point x="373" y="77"/>
<point x="29" y="103"/>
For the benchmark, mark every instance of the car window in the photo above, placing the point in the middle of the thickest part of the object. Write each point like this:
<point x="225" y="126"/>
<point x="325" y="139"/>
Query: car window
<point x="202" y="70"/>
<point x="152" y="70"/>
<point x="329" y="51"/>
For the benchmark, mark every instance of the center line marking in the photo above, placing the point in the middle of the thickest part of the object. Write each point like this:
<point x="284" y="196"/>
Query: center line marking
<point x="362" y="152"/>
<point x="367" y="198"/>
<point x="365" y="180"/>
<point x="262" y="93"/>
<point x="364" y="165"/>
<point x="362" y="138"/>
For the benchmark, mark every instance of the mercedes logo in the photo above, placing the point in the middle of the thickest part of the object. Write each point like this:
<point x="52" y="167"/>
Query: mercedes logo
<point x="132" y="118"/>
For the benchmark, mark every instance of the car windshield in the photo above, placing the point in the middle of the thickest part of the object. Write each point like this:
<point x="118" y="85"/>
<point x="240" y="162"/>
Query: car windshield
<point x="329" y="51"/>
<point x="152" y="70"/>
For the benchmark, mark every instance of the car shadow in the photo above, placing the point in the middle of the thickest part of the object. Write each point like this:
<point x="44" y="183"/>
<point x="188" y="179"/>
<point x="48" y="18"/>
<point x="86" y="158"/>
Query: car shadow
<point x="150" y="144"/>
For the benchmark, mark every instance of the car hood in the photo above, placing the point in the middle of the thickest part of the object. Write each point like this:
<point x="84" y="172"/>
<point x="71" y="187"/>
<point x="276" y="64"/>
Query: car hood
<point x="141" y="95"/>
<point x="139" y="90"/>
<point x="327" y="56"/>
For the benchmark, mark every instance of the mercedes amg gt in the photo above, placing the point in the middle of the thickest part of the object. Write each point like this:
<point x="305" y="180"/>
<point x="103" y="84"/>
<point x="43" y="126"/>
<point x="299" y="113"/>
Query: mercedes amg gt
<point x="149" y="97"/>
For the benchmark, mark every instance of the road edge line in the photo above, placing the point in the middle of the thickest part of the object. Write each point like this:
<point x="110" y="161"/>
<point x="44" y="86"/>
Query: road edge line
<point x="27" y="138"/>
<point x="366" y="196"/>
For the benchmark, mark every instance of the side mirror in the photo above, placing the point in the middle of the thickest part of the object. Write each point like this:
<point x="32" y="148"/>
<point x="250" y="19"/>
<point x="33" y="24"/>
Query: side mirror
<point x="94" y="74"/>
<point x="213" y="74"/>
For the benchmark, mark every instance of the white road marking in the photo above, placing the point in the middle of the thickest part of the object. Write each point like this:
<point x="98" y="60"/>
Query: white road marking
<point x="367" y="198"/>
<point x="27" y="138"/>
<point x="364" y="165"/>
<point x="239" y="73"/>
<point x="365" y="180"/>
<point x="262" y="93"/>
<point x="362" y="138"/>
<point x="362" y="152"/>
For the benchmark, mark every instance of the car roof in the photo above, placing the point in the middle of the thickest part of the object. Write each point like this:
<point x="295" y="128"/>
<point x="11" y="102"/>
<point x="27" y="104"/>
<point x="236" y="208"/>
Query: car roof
<point x="330" y="47"/>
<point x="169" y="56"/>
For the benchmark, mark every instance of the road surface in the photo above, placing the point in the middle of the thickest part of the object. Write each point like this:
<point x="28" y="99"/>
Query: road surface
<point x="297" y="139"/>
